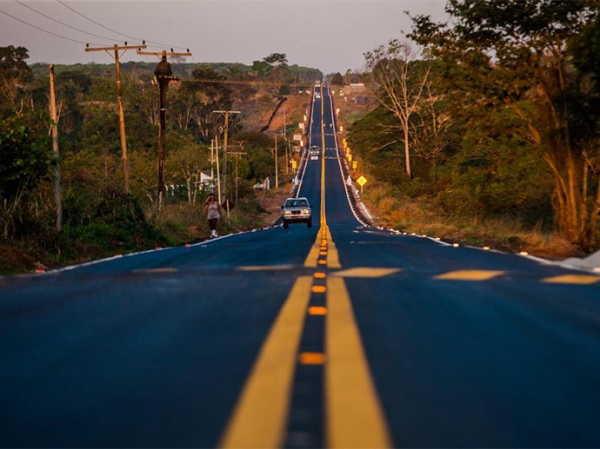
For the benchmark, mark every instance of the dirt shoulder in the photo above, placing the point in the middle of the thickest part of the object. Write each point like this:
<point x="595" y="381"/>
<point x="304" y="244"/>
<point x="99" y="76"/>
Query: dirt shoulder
<point x="271" y="202"/>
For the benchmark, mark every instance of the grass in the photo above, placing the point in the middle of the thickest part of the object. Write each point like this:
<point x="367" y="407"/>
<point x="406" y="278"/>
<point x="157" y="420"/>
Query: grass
<point x="422" y="217"/>
<point x="183" y="223"/>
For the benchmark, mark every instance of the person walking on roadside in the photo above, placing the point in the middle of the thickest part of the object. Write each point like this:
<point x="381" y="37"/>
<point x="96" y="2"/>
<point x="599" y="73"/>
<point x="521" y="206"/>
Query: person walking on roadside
<point x="213" y="212"/>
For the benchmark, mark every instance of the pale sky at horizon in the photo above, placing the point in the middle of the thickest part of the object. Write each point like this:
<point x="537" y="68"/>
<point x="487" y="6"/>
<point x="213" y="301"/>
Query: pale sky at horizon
<point x="331" y="35"/>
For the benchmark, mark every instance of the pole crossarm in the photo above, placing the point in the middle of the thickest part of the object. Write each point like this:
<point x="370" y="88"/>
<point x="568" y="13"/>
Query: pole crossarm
<point x="163" y="53"/>
<point x="115" y="48"/>
<point x="118" y="47"/>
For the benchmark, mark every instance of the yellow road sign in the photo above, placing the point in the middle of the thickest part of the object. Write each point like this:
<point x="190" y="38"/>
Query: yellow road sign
<point x="361" y="181"/>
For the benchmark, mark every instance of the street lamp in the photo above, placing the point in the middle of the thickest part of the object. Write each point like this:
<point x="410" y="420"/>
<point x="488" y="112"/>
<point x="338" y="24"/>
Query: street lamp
<point x="164" y="75"/>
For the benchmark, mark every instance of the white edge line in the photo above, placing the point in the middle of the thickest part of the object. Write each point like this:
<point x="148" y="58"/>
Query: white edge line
<point x="108" y="259"/>
<point x="439" y="241"/>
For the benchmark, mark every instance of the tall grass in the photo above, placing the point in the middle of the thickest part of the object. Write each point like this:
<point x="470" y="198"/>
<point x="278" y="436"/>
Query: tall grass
<point x="424" y="215"/>
<point x="183" y="223"/>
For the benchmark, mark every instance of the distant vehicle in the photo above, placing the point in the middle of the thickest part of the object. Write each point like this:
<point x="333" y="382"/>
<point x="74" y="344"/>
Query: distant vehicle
<point x="317" y="95"/>
<point x="297" y="210"/>
<point x="314" y="153"/>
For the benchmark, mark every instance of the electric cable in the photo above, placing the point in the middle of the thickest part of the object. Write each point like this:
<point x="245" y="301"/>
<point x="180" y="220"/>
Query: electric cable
<point x="61" y="23"/>
<point x="46" y="31"/>
<point x="114" y="31"/>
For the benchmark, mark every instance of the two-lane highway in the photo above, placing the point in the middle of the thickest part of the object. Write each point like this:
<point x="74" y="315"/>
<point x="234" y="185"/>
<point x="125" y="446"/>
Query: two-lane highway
<point x="339" y="335"/>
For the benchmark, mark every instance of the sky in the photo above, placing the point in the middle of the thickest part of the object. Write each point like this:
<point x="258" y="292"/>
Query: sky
<point x="330" y="35"/>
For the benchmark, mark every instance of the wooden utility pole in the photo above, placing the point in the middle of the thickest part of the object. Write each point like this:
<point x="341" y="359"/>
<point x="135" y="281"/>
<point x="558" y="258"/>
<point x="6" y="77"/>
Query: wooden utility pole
<point x="54" y="125"/>
<point x="224" y="190"/>
<point x="212" y="158"/>
<point x="237" y="163"/>
<point x="164" y="76"/>
<point x="218" y="170"/>
<point x="285" y="142"/>
<point x="276" y="165"/>
<point x="115" y="48"/>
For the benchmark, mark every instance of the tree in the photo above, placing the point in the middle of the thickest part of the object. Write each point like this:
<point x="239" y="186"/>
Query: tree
<point x="430" y="136"/>
<point x="15" y="75"/>
<point x="198" y="97"/>
<point x="25" y="159"/>
<point x="276" y="60"/>
<point x="260" y="68"/>
<point x="337" y="79"/>
<point x="185" y="164"/>
<point x="513" y="55"/>
<point x="258" y="153"/>
<point x="398" y="82"/>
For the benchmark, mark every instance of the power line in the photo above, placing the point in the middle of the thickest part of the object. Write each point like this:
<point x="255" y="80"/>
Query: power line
<point x="114" y="31"/>
<point x="62" y="23"/>
<point x="45" y="31"/>
<point x="99" y="24"/>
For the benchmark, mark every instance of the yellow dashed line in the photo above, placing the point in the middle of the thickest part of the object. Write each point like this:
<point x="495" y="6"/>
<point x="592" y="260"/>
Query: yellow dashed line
<point x="354" y="416"/>
<point x="317" y="310"/>
<point x="366" y="272"/>
<point x="311" y="358"/>
<point x="572" y="279"/>
<point x="260" y="416"/>
<point x="469" y="275"/>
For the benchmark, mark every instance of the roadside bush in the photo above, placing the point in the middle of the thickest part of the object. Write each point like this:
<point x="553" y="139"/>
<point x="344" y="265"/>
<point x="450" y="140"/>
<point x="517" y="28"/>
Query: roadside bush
<point x="459" y="202"/>
<point x="105" y="224"/>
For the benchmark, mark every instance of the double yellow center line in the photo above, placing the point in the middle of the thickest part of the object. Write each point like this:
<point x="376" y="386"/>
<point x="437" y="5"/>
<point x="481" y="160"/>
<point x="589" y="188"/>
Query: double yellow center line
<point x="353" y="412"/>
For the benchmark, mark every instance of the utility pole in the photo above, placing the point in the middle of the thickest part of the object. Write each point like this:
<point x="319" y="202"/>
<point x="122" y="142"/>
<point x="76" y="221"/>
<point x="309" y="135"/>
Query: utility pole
<point x="224" y="190"/>
<point x="218" y="170"/>
<point x="276" y="165"/>
<point x="116" y="49"/>
<point x="164" y="75"/>
<point x="212" y="157"/>
<point x="54" y="118"/>
<point x="237" y="162"/>
<point x="284" y="133"/>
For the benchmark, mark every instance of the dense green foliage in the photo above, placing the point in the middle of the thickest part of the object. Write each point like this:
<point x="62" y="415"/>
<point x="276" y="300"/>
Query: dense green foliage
<point x="337" y="79"/>
<point x="98" y="217"/>
<point x="508" y="123"/>
<point x="24" y="159"/>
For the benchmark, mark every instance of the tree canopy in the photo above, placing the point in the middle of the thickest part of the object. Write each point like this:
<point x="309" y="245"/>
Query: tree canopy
<point x="514" y="57"/>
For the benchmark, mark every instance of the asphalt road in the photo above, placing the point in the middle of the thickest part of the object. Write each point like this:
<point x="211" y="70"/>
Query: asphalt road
<point x="339" y="335"/>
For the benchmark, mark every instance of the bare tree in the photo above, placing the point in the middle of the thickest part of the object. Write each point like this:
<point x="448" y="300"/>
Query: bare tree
<point x="430" y="130"/>
<point x="398" y="83"/>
